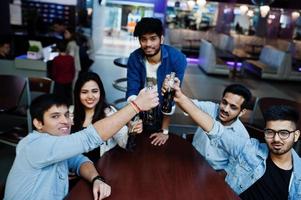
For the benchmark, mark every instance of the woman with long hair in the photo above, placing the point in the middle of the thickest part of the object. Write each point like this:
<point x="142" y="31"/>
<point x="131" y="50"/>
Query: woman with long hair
<point x="90" y="105"/>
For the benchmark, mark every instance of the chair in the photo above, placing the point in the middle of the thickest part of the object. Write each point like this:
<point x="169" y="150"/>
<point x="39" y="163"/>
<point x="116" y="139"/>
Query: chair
<point x="34" y="86"/>
<point x="209" y="61"/>
<point x="272" y="64"/>
<point x="11" y="92"/>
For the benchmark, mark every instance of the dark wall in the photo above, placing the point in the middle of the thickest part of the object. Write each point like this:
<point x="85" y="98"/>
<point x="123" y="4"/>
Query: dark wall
<point x="4" y="17"/>
<point x="290" y="4"/>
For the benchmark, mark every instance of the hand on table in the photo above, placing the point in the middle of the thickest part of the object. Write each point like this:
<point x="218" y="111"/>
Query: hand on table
<point x="101" y="190"/>
<point x="159" y="138"/>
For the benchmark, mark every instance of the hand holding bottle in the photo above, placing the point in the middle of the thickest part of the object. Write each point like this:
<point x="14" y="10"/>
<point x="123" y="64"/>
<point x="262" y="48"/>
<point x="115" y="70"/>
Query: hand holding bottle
<point x="147" y="99"/>
<point x="168" y="93"/>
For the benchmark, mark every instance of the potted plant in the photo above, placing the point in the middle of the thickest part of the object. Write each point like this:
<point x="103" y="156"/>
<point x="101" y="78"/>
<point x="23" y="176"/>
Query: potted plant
<point x="34" y="52"/>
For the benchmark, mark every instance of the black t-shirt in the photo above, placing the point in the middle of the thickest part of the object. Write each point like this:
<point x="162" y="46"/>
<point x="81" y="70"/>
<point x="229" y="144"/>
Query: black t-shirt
<point x="273" y="185"/>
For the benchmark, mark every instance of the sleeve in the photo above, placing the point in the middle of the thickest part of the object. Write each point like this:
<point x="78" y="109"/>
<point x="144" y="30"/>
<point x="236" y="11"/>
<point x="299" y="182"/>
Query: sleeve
<point x="71" y="49"/>
<point x="133" y="77"/>
<point x="53" y="149"/>
<point x="180" y="64"/>
<point x="207" y="106"/>
<point x="221" y="137"/>
<point x="75" y="162"/>
<point x="121" y="137"/>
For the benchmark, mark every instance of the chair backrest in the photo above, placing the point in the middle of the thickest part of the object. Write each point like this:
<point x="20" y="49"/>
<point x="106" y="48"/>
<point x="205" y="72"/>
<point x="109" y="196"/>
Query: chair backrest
<point x="39" y="85"/>
<point x="36" y="87"/>
<point x="11" y="91"/>
<point x="265" y="102"/>
<point x="207" y="55"/>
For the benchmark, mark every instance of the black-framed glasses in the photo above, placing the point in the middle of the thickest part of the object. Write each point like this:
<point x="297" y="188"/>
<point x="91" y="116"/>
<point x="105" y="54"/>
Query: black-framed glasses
<point x="283" y="134"/>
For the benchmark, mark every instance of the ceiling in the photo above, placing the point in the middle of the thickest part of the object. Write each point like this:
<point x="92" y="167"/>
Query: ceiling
<point x="288" y="4"/>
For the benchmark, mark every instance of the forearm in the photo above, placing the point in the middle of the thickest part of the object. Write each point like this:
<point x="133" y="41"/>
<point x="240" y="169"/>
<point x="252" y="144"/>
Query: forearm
<point x="165" y="122"/>
<point x="201" y="118"/>
<point x="88" y="171"/>
<point x="108" y="126"/>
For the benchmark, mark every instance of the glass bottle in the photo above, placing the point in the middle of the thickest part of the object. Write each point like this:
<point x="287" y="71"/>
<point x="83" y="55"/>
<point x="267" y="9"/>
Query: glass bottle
<point x="131" y="143"/>
<point x="150" y="117"/>
<point x="168" y="95"/>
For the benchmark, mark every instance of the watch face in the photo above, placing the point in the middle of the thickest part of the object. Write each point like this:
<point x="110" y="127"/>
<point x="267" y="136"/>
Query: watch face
<point x="165" y="131"/>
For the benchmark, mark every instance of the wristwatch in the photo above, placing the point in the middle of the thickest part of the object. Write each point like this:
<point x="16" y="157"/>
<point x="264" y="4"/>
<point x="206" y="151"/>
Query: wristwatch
<point x="165" y="131"/>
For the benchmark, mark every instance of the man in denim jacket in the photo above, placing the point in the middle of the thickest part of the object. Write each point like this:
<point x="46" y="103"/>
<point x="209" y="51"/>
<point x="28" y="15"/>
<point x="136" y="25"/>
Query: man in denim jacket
<point x="45" y="156"/>
<point x="232" y="106"/>
<point x="270" y="170"/>
<point x="153" y="61"/>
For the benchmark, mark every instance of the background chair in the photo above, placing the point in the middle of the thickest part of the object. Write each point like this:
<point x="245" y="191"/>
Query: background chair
<point x="209" y="61"/>
<point x="34" y="86"/>
<point x="11" y="92"/>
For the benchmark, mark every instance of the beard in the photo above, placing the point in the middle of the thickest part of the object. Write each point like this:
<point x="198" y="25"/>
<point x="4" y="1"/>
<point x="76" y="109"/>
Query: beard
<point x="153" y="54"/>
<point x="228" y="120"/>
<point x="283" y="150"/>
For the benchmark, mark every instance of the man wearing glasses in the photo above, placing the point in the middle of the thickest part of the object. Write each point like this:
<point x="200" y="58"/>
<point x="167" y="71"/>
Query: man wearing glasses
<point x="270" y="170"/>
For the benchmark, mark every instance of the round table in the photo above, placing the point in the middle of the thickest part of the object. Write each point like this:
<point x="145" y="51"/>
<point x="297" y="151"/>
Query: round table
<point x="172" y="171"/>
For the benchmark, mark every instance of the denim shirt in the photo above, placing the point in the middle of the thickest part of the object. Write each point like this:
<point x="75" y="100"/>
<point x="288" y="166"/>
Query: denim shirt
<point x="40" y="169"/>
<point x="217" y="158"/>
<point x="248" y="161"/>
<point x="172" y="60"/>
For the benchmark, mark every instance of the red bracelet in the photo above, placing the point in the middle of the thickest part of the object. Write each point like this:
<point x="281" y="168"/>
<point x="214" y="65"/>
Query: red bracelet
<point x="134" y="107"/>
<point x="138" y="108"/>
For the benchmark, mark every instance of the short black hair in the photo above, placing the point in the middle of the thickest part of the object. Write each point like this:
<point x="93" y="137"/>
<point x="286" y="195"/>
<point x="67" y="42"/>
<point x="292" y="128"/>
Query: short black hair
<point x="43" y="103"/>
<point x="61" y="46"/>
<point x="281" y="112"/>
<point x="148" y="25"/>
<point x="240" y="90"/>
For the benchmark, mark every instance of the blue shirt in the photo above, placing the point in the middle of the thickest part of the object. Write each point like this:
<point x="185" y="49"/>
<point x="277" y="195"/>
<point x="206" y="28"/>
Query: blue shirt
<point x="217" y="158"/>
<point x="172" y="60"/>
<point x="40" y="170"/>
<point x="248" y="161"/>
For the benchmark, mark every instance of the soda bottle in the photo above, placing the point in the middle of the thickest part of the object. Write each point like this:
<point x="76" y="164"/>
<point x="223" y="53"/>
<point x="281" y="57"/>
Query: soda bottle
<point x="168" y="95"/>
<point x="150" y="117"/>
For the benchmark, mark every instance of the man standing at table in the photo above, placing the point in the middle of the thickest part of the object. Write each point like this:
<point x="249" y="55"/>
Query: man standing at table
<point x="45" y="156"/>
<point x="152" y="62"/>
<point x="270" y="170"/>
<point x="232" y="106"/>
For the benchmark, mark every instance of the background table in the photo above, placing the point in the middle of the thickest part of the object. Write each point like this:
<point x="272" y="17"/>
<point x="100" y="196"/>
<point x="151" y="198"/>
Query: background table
<point x="172" y="171"/>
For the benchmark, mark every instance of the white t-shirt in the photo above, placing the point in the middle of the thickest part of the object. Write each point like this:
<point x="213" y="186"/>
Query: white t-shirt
<point x="151" y="71"/>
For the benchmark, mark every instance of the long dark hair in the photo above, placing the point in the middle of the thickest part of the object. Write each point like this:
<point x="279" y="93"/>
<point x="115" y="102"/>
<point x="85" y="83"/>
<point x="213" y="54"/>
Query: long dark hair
<point x="79" y="109"/>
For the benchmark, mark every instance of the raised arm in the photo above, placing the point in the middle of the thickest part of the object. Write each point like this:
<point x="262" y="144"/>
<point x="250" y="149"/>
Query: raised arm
<point x="204" y="120"/>
<point x="108" y="126"/>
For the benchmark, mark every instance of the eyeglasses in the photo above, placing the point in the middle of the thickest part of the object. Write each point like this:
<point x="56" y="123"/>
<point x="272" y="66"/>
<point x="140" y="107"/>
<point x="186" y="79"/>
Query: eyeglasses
<point x="283" y="134"/>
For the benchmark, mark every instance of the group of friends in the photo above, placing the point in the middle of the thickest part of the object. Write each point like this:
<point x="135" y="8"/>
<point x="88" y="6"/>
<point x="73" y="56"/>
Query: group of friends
<point x="254" y="170"/>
